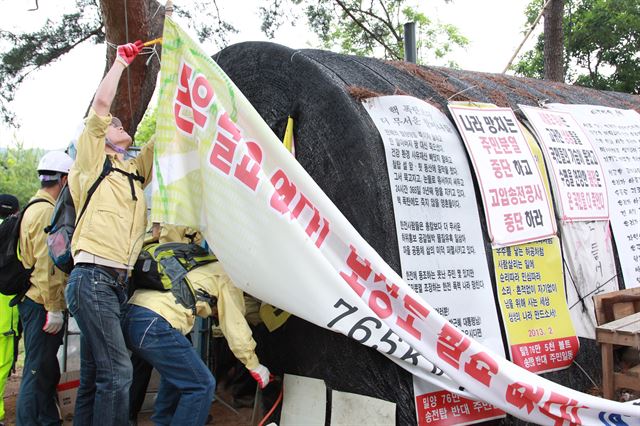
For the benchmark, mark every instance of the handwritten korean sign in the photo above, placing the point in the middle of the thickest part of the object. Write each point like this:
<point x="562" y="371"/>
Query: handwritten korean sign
<point x="578" y="179"/>
<point x="515" y="202"/>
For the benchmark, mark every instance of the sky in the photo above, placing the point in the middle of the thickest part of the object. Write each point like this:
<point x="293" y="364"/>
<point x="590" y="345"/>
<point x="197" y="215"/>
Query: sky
<point x="51" y="102"/>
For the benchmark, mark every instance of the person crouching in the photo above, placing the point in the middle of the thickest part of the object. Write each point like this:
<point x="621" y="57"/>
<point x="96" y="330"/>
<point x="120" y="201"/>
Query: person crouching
<point x="155" y="325"/>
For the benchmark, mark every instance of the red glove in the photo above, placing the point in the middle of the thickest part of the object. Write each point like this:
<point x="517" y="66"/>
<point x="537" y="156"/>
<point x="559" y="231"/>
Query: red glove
<point x="128" y="52"/>
<point x="261" y="375"/>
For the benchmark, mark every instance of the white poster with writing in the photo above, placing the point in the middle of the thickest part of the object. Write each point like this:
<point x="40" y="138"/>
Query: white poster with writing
<point x="576" y="174"/>
<point x="442" y="252"/>
<point x="515" y="202"/>
<point x="590" y="269"/>
<point x="616" y="135"/>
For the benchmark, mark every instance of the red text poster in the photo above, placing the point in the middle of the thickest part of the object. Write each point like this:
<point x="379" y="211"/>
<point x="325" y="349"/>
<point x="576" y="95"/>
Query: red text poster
<point x="576" y="173"/>
<point x="515" y="202"/>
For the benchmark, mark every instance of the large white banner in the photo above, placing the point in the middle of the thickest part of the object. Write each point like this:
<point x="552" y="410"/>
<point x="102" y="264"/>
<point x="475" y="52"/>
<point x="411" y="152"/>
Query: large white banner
<point x="442" y="253"/>
<point x="590" y="269"/>
<point x="577" y="177"/>
<point x="616" y="135"/>
<point x="282" y="240"/>
<point x="513" y="195"/>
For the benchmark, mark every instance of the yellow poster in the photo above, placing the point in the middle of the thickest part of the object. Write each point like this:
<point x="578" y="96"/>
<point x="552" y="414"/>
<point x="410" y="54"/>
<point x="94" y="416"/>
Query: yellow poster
<point x="533" y="304"/>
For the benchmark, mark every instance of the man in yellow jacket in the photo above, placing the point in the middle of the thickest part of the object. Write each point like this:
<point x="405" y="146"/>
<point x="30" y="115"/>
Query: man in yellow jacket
<point x="106" y="242"/>
<point x="8" y="315"/>
<point x="42" y="308"/>
<point x="155" y="326"/>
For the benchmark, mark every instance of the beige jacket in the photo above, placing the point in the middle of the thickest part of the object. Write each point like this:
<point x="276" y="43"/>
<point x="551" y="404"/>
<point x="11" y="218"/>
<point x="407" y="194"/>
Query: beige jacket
<point x="213" y="280"/>
<point x="113" y="225"/>
<point x="47" y="281"/>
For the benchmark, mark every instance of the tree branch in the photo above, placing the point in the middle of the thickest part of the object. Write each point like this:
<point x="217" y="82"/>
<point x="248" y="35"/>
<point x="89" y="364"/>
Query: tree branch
<point x="386" y="13"/>
<point x="366" y="30"/>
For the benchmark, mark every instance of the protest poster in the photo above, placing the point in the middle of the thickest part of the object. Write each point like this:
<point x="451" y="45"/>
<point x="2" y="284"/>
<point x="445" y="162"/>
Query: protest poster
<point x="615" y="133"/>
<point x="258" y="208"/>
<point x="515" y="203"/>
<point x="588" y="259"/>
<point x="590" y="269"/>
<point x="442" y="253"/>
<point x="577" y="177"/>
<point x="533" y="304"/>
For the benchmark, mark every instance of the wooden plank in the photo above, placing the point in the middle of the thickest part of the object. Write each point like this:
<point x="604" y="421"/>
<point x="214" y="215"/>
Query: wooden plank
<point x="616" y="338"/>
<point x="619" y="323"/>
<point x="633" y="328"/>
<point x="621" y="310"/>
<point x="634" y="371"/>
<point x="626" y="381"/>
<point x="597" y="302"/>
<point x="607" y="370"/>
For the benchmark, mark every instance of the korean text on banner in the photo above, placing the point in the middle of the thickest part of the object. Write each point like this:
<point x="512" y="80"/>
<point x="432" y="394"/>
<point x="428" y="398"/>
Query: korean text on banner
<point x="534" y="309"/>
<point x="258" y="209"/>
<point x="515" y="203"/>
<point x="442" y="251"/>
<point x="221" y="169"/>
<point x="578" y="180"/>
<point x="616" y="135"/>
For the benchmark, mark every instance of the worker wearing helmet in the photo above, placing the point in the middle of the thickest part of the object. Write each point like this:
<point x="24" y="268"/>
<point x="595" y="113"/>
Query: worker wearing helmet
<point x="8" y="315"/>
<point x="41" y="309"/>
<point x="106" y="242"/>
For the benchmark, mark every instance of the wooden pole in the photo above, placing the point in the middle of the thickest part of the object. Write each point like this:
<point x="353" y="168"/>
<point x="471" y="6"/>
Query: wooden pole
<point x="526" y="36"/>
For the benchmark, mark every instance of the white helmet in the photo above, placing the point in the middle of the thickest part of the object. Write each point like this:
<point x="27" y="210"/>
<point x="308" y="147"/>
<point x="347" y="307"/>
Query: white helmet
<point x="54" y="162"/>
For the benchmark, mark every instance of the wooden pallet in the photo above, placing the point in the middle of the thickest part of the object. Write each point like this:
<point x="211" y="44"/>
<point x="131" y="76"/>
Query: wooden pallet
<point x="623" y="330"/>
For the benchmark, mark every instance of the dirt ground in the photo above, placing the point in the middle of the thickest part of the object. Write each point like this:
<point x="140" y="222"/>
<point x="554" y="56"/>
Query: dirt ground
<point x="221" y="415"/>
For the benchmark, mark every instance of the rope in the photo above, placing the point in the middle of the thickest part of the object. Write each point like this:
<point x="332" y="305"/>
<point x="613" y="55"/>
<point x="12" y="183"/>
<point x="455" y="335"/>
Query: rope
<point x="126" y="36"/>
<point x="597" y="289"/>
<point x="147" y="50"/>
<point x="585" y="373"/>
<point x="575" y="286"/>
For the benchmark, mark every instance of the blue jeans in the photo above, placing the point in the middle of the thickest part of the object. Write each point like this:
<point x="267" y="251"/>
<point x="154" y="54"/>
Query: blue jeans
<point x="96" y="300"/>
<point x="41" y="372"/>
<point x="186" y="384"/>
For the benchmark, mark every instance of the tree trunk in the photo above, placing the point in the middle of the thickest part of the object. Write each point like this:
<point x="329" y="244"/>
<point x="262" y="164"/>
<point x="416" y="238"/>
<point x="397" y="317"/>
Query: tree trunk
<point x="139" y="81"/>
<point x="554" y="41"/>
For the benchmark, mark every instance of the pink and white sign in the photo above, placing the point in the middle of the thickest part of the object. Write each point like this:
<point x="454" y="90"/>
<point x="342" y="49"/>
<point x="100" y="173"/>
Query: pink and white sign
<point x="515" y="202"/>
<point x="577" y="176"/>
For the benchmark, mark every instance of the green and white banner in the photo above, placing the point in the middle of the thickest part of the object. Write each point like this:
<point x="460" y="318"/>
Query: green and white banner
<point x="219" y="168"/>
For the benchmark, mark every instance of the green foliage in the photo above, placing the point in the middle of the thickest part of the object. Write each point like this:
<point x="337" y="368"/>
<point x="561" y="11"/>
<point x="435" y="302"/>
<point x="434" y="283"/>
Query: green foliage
<point x="602" y="41"/>
<point x="146" y="128"/>
<point x="18" y="174"/>
<point x="209" y="26"/>
<point x="21" y="54"/>
<point x="31" y="51"/>
<point x="367" y="28"/>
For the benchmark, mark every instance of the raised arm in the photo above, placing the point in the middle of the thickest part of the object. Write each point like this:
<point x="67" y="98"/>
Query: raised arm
<point x="107" y="89"/>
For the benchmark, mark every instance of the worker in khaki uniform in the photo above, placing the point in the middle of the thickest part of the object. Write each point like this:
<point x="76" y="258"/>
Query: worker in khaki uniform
<point x="41" y="309"/>
<point x="155" y="326"/>
<point x="106" y="242"/>
<point x="8" y="315"/>
<point x="142" y="369"/>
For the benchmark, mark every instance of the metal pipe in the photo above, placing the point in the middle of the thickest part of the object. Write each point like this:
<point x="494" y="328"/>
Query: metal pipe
<point x="410" y="50"/>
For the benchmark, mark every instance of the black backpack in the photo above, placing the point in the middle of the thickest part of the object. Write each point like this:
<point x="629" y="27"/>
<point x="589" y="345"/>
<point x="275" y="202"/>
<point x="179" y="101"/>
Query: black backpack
<point x="14" y="278"/>
<point x="164" y="267"/>
<point x="64" y="221"/>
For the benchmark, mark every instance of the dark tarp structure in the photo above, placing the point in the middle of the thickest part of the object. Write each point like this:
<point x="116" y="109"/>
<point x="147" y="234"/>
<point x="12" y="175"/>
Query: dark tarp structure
<point x="339" y="146"/>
